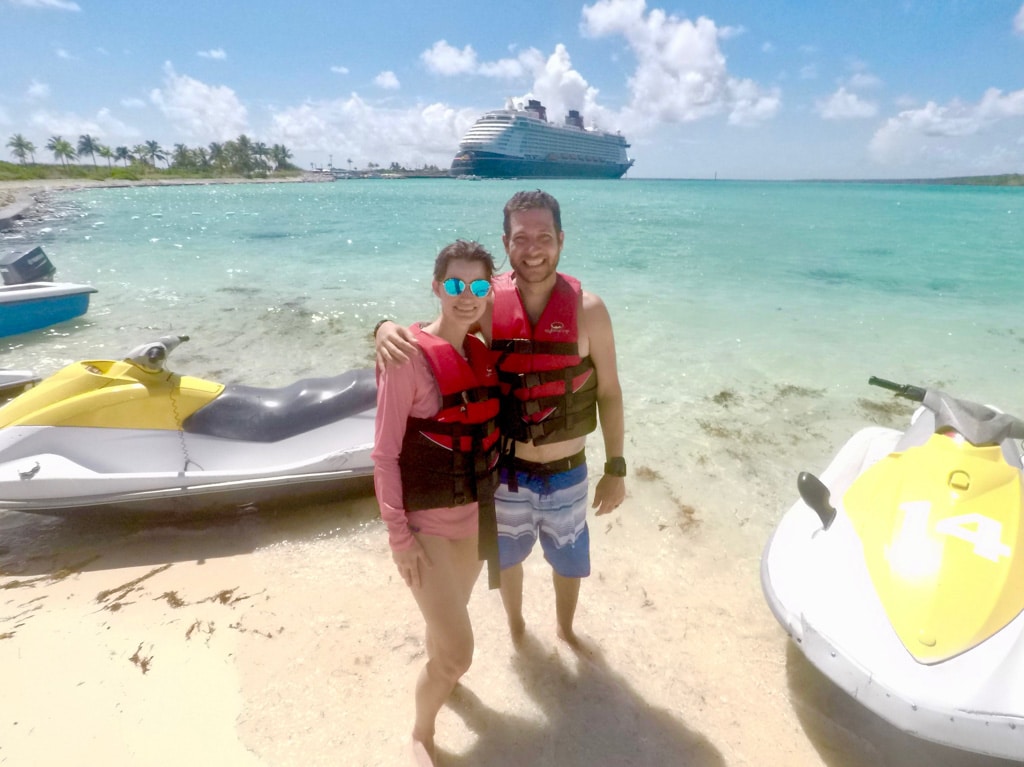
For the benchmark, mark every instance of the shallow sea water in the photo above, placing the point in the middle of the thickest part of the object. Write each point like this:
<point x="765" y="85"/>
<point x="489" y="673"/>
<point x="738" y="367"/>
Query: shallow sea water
<point x="748" y="316"/>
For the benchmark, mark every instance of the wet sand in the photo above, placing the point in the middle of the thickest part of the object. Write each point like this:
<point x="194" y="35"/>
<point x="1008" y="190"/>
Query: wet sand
<point x="286" y="637"/>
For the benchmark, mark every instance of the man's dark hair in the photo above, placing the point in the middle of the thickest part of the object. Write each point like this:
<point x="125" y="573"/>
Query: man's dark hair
<point x="532" y="201"/>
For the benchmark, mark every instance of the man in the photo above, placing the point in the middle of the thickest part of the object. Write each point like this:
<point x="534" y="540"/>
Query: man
<point x="551" y="341"/>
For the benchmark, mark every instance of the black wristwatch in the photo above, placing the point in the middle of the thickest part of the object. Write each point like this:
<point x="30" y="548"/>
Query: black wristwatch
<point x="615" y="467"/>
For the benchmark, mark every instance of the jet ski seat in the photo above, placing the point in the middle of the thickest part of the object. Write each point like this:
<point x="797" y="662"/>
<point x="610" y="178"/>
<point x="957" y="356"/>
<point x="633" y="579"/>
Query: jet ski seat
<point x="256" y="414"/>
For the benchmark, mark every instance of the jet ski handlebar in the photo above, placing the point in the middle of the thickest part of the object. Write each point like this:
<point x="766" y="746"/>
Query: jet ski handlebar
<point x="915" y="393"/>
<point x="152" y="356"/>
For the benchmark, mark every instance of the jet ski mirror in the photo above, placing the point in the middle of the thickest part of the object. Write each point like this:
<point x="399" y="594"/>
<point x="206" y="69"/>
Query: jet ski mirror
<point x="152" y="356"/>
<point x="816" y="495"/>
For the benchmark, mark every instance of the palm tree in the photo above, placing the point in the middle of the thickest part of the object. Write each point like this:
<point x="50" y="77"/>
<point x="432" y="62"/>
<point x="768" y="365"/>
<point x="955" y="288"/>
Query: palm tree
<point x="21" y="147"/>
<point x="122" y="154"/>
<point x="280" y="156"/>
<point x="62" y="149"/>
<point x="216" y="154"/>
<point x="261" y="153"/>
<point x="182" y="157"/>
<point x="87" y="145"/>
<point x="154" y="152"/>
<point x="240" y="154"/>
<point x="106" y="153"/>
<point x="139" y="153"/>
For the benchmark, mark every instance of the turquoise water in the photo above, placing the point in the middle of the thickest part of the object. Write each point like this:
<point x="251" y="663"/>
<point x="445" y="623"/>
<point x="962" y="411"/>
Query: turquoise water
<point x="748" y="316"/>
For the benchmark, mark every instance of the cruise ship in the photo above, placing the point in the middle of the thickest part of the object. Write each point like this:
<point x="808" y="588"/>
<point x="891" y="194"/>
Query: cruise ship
<point x="521" y="143"/>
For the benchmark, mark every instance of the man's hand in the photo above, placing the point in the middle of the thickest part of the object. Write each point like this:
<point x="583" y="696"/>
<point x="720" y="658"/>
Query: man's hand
<point x="394" y="344"/>
<point x="610" y="493"/>
<point x="410" y="563"/>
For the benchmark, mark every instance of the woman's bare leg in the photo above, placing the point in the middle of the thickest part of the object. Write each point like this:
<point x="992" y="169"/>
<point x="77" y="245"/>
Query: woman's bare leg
<point x="442" y="598"/>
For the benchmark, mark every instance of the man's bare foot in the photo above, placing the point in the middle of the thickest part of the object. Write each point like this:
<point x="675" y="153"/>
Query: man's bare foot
<point x="568" y="636"/>
<point x="517" y="630"/>
<point x="421" y="755"/>
<point x="584" y="648"/>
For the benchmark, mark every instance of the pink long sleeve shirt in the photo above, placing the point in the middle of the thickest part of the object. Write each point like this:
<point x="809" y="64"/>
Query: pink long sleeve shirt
<point x="404" y="391"/>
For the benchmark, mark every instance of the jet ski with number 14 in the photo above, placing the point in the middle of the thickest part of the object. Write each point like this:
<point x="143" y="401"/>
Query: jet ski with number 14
<point x="900" y="573"/>
<point x="130" y="435"/>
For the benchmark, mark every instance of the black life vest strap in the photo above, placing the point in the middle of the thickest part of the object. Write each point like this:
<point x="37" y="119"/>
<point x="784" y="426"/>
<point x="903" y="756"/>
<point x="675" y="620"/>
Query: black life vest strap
<point x="476" y="394"/>
<point x="530" y="346"/>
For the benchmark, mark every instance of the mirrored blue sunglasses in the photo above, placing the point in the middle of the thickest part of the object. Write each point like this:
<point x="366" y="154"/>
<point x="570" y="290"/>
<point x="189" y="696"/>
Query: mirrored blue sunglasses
<point x="453" y="286"/>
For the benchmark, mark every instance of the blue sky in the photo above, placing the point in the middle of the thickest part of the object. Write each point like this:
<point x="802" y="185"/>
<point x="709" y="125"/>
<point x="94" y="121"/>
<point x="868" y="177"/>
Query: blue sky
<point x="747" y="89"/>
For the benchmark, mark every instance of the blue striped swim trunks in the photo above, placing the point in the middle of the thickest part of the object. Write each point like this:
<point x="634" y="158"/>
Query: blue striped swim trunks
<point x="552" y="507"/>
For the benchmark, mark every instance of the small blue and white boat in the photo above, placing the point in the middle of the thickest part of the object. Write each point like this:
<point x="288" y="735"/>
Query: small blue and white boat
<point x="36" y="305"/>
<point x="30" y="300"/>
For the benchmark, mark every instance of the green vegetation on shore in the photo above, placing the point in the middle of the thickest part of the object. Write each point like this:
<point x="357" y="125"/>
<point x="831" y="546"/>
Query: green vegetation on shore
<point x="1006" y="179"/>
<point x="241" y="157"/>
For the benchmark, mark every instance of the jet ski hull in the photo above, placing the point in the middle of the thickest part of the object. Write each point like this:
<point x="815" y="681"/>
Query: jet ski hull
<point x="817" y="583"/>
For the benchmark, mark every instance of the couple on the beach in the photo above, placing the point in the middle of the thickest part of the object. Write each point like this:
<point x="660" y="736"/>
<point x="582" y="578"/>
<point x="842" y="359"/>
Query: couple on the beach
<point x="479" y="447"/>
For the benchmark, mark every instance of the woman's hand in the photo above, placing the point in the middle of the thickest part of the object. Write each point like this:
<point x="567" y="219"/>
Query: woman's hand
<point x="410" y="563"/>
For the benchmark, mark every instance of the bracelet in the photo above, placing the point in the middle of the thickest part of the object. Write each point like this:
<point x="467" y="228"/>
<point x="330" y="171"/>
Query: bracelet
<point x="377" y="327"/>
<point x="615" y="467"/>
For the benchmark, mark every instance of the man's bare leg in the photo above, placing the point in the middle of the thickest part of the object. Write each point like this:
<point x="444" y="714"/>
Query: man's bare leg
<point x="512" y="598"/>
<point x="567" y="593"/>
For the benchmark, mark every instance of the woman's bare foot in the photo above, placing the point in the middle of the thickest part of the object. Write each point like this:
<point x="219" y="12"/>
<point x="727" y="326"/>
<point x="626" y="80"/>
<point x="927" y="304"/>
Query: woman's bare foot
<point x="422" y="756"/>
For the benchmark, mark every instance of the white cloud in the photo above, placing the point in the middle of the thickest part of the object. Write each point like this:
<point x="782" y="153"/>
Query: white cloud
<point x="202" y="112"/>
<point x="37" y="91"/>
<point x="681" y="73"/>
<point x="387" y="80"/>
<point x="340" y="70"/>
<point x="60" y="5"/>
<point x="561" y="88"/>
<point x="445" y="59"/>
<point x="133" y="103"/>
<point x="1018" y="22"/>
<point x="354" y="129"/>
<point x="63" y="54"/>
<point x="103" y="126"/>
<point x="934" y="129"/>
<point x="843" y="105"/>
<point x="213" y="53"/>
<point x="863" y="81"/>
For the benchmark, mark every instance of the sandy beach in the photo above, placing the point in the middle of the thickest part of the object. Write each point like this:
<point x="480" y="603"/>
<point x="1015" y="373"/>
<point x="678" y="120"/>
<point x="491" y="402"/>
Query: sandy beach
<point x="216" y="642"/>
<point x="227" y="641"/>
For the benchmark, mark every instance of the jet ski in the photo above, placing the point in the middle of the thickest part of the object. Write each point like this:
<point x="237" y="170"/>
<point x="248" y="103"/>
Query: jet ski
<point x="14" y="382"/>
<point x="899" y="573"/>
<point x="130" y="435"/>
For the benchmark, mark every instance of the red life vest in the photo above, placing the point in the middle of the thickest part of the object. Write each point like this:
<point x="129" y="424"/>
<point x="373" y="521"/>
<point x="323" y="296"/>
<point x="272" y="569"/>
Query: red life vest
<point x="451" y="458"/>
<point x="549" y="392"/>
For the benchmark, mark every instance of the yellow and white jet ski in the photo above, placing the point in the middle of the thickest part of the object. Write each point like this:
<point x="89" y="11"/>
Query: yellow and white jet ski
<point x="908" y="592"/>
<point x="133" y="436"/>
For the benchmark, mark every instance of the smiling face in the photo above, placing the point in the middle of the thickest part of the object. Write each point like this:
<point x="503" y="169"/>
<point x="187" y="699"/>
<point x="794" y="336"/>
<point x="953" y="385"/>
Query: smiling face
<point x="465" y="308"/>
<point x="533" y="244"/>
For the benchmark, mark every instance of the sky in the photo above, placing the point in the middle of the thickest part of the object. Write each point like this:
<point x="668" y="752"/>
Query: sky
<point x="746" y="89"/>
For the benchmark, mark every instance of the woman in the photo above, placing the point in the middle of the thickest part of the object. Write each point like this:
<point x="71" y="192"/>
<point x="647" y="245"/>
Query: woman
<point x="435" y="455"/>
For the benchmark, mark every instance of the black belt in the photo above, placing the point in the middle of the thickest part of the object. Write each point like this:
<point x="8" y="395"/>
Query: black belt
<point x="550" y="467"/>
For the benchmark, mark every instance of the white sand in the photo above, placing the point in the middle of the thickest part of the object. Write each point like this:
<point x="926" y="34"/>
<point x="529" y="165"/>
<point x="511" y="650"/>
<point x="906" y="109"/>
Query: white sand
<point x="287" y="639"/>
